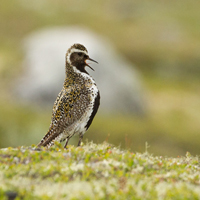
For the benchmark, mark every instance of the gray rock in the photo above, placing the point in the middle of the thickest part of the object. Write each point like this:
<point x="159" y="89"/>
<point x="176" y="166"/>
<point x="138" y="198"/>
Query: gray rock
<point x="118" y="81"/>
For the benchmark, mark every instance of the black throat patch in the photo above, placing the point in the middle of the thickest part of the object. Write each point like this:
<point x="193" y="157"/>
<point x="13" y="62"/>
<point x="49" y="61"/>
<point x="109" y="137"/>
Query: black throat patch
<point x="78" y="59"/>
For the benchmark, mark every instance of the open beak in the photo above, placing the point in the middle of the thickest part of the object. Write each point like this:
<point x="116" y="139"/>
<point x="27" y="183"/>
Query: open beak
<point x="93" y="61"/>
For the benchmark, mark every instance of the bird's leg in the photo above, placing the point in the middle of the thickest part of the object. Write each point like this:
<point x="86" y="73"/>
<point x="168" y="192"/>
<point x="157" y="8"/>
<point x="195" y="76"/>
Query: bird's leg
<point x="67" y="140"/>
<point x="80" y="140"/>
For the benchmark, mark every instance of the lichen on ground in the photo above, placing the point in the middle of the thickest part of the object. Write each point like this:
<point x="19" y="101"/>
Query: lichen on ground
<point x="96" y="171"/>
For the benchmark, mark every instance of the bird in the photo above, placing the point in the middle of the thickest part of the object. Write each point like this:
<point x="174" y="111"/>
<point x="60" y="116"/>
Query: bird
<point x="77" y="103"/>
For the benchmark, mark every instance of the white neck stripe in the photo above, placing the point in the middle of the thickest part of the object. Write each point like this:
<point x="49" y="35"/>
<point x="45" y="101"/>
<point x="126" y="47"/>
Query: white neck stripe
<point x="85" y="75"/>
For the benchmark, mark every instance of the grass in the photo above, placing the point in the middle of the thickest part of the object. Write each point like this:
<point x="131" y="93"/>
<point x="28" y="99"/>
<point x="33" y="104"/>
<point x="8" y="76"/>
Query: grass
<point x="96" y="171"/>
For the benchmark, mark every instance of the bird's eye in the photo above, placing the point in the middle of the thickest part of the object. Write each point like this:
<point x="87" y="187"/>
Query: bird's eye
<point x="80" y="54"/>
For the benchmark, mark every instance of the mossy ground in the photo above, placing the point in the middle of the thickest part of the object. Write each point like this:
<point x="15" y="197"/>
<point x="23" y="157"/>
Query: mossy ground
<point x="96" y="171"/>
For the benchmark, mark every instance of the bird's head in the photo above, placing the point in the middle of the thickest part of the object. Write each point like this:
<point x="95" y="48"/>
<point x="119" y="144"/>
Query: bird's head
<point x="77" y="55"/>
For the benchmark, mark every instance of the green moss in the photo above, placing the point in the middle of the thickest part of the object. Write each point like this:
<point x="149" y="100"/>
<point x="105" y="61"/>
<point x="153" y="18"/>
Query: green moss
<point x="96" y="172"/>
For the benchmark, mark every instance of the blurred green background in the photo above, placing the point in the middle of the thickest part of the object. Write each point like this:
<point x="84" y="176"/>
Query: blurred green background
<point x="162" y="38"/>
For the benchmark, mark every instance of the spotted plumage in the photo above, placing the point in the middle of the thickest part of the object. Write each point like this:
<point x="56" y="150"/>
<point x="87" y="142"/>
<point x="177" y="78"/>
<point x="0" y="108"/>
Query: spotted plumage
<point x="78" y="101"/>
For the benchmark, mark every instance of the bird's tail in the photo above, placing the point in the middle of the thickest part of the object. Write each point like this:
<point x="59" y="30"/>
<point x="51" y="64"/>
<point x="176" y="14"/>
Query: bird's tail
<point x="48" y="139"/>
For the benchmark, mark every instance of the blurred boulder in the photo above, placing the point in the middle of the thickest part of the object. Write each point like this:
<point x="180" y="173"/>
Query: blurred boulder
<point x="44" y="73"/>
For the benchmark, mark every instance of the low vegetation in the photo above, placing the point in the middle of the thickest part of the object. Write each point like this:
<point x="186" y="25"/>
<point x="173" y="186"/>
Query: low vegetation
<point x="95" y="171"/>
